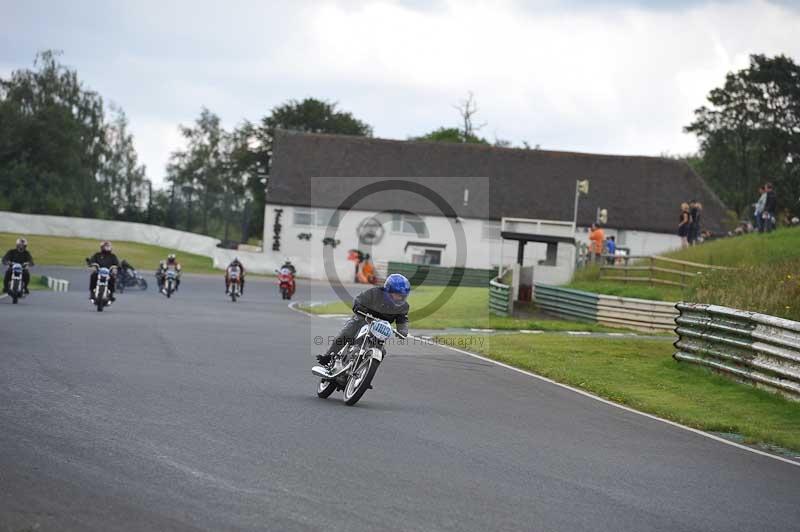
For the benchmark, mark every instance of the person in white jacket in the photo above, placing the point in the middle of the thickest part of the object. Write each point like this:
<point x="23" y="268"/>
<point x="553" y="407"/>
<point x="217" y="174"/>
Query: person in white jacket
<point x="759" y="208"/>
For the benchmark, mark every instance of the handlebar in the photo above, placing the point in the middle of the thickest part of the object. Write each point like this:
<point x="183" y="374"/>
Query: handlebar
<point x="371" y="318"/>
<point x="95" y="266"/>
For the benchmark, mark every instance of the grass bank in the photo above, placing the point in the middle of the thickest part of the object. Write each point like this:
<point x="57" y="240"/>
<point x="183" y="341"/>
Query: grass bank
<point x="766" y="279"/>
<point x="466" y="307"/>
<point x="642" y="374"/>
<point x="62" y="251"/>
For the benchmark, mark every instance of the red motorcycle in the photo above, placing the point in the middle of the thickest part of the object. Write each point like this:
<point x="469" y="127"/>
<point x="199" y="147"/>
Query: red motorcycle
<point x="286" y="283"/>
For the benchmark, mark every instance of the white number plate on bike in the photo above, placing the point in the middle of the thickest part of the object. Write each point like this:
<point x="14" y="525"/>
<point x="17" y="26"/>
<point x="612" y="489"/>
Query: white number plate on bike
<point x="382" y="330"/>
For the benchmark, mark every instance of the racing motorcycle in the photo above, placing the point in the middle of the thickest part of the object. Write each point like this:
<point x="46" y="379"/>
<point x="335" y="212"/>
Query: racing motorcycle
<point x="16" y="287"/>
<point x="170" y="276"/>
<point x="102" y="290"/>
<point x="234" y="286"/>
<point x="354" y="366"/>
<point x="128" y="277"/>
<point x="286" y="283"/>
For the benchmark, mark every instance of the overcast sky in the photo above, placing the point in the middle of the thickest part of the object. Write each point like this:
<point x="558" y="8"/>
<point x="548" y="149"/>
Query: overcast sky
<point x="613" y="76"/>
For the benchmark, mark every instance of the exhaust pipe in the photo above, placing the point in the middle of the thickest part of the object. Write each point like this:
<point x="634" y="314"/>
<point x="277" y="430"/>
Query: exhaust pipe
<point x="323" y="373"/>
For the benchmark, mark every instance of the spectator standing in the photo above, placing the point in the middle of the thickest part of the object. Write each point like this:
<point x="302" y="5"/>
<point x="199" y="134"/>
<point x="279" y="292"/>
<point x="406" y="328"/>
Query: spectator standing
<point x="596" y="237"/>
<point x="770" y="208"/>
<point x="611" y="249"/>
<point x="683" y="225"/>
<point x="695" y="213"/>
<point x="759" y="208"/>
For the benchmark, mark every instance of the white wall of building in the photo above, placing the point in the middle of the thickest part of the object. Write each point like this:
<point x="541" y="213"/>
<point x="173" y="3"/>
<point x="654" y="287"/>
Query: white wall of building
<point x="639" y="242"/>
<point x="481" y="251"/>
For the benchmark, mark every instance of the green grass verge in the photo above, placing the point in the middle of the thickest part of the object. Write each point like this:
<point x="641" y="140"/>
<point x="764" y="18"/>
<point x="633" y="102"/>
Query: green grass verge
<point x="642" y="374"/>
<point x="468" y="307"/>
<point x="61" y="251"/>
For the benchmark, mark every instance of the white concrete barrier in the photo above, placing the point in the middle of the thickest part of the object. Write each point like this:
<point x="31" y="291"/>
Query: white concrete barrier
<point x="253" y="262"/>
<point x="40" y="224"/>
<point x="56" y="285"/>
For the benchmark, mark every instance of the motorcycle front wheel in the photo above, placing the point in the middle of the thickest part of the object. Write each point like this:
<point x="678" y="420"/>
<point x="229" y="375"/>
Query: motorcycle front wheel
<point x="325" y="389"/>
<point x="360" y="380"/>
<point x="142" y="284"/>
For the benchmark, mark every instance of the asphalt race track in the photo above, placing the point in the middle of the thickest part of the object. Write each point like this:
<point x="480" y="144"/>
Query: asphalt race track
<point x="196" y="413"/>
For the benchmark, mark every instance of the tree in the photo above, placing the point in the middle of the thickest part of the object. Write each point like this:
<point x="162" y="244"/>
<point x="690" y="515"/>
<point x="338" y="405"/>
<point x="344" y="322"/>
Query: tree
<point x="314" y="116"/>
<point x="750" y="133"/>
<point x="52" y="141"/>
<point x="122" y="177"/>
<point x="450" y="134"/>
<point x="199" y="169"/>
<point x="309" y="115"/>
<point x="467" y="109"/>
<point x="466" y="135"/>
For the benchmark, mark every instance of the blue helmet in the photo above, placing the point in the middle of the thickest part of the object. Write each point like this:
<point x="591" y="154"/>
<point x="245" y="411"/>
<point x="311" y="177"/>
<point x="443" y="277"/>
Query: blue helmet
<point x="397" y="284"/>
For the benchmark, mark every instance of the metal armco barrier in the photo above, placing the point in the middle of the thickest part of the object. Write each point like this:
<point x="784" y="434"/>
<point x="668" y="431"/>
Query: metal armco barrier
<point x="500" y="298"/>
<point x="753" y="348"/>
<point x="613" y="311"/>
<point x="639" y="314"/>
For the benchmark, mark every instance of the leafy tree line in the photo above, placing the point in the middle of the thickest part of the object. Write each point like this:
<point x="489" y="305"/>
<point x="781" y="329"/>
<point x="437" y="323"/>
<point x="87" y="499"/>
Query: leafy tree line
<point x="64" y="151"/>
<point x="217" y="183"/>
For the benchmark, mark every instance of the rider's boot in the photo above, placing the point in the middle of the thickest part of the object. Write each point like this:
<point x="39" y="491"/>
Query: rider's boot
<point x="324" y="359"/>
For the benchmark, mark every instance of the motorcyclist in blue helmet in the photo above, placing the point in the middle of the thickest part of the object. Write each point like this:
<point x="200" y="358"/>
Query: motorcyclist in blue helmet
<point x="387" y="302"/>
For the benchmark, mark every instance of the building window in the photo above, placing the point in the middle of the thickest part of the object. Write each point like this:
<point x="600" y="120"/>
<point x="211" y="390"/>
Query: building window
<point x="490" y="231"/>
<point x="303" y="217"/>
<point x="432" y="257"/>
<point x="409" y="224"/>
<point x="327" y="217"/>
<point x="318" y="217"/>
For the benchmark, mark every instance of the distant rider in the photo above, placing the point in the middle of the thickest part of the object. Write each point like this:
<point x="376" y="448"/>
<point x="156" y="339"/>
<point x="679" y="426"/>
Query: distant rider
<point x="387" y="302"/>
<point x="20" y="255"/>
<point x="105" y="259"/>
<point x="235" y="263"/>
<point x="161" y="272"/>
<point x="287" y="265"/>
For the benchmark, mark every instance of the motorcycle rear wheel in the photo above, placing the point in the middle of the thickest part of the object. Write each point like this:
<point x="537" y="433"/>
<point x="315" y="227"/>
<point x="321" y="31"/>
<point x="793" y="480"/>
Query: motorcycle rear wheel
<point x="360" y="380"/>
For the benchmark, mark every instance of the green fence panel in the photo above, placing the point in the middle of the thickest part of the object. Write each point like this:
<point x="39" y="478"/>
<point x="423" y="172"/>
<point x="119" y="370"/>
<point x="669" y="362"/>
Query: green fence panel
<point x="419" y="274"/>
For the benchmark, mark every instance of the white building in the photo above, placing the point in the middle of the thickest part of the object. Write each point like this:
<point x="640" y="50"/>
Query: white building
<point x="329" y="194"/>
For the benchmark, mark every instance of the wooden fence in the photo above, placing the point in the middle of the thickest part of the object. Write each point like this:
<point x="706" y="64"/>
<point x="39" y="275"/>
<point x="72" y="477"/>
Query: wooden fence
<point x="652" y="269"/>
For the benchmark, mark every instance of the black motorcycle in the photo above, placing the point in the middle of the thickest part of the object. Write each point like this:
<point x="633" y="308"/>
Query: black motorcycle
<point x="101" y="297"/>
<point x="16" y="287"/>
<point x="128" y="277"/>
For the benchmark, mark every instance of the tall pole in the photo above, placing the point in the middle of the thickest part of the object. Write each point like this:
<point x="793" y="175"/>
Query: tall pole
<point x="575" y="212"/>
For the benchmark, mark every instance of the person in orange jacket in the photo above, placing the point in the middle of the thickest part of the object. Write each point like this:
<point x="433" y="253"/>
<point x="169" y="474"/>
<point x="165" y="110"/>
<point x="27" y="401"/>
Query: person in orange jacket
<point x="597" y="237"/>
